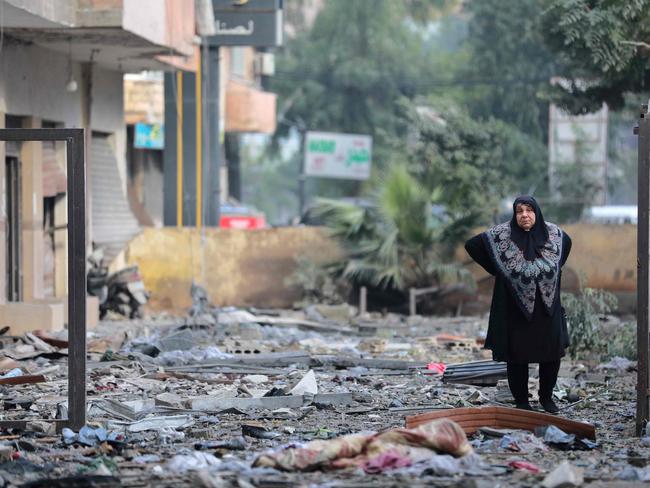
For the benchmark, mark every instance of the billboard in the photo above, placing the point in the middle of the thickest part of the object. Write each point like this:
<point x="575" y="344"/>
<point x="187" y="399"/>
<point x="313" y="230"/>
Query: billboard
<point x="333" y="155"/>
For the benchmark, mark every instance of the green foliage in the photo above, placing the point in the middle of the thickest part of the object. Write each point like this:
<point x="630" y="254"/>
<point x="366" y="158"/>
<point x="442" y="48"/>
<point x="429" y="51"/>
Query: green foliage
<point x="347" y="73"/>
<point x="622" y="152"/>
<point x="316" y="282"/>
<point x="506" y="47"/>
<point x="424" y="11"/>
<point x="584" y="312"/>
<point x="574" y="185"/>
<point x="603" y="48"/>
<point x="622" y="341"/>
<point x="394" y="242"/>
<point x="474" y="163"/>
<point x="270" y="183"/>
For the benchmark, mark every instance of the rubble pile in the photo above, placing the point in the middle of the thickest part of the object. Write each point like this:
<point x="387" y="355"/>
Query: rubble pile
<point x="230" y="397"/>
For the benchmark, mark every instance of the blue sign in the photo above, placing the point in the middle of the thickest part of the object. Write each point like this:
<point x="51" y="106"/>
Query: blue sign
<point x="149" y="136"/>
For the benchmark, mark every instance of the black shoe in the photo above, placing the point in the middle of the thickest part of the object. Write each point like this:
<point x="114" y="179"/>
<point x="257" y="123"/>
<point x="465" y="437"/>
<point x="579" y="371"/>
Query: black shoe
<point x="549" y="405"/>
<point x="524" y="406"/>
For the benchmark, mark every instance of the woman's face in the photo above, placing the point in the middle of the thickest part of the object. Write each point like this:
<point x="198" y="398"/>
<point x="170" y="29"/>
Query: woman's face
<point x="525" y="215"/>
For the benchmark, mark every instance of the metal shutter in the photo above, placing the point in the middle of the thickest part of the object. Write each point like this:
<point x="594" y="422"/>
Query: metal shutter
<point x="113" y="222"/>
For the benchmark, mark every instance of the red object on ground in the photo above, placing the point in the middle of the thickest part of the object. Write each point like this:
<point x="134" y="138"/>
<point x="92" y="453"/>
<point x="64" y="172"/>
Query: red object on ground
<point x="438" y="367"/>
<point x="525" y="466"/>
<point x="242" y="222"/>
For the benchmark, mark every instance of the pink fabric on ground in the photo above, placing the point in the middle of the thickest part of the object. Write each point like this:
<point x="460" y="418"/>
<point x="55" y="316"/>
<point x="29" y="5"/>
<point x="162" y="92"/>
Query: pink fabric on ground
<point x="438" y="367"/>
<point x="373" y="452"/>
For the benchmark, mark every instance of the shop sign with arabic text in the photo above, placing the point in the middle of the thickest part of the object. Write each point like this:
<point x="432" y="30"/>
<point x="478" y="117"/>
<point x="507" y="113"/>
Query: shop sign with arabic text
<point x="334" y="155"/>
<point x="255" y="23"/>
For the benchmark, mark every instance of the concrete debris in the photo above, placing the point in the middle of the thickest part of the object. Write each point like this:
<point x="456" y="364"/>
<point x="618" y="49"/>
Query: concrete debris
<point x="566" y="475"/>
<point x="255" y="379"/>
<point x="194" y="401"/>
<point x="619" y="364"/>
<point x="306" y="385"/>
<point x="192" y="461"/>
<point x="153" y="423"/>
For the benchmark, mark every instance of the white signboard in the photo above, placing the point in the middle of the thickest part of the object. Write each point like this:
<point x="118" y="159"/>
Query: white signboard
<point x="333" y="155"/>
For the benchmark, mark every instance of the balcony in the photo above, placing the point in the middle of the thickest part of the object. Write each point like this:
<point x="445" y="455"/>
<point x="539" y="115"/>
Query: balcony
<point x="249" y="109"/>
<point x="123" y="35"/>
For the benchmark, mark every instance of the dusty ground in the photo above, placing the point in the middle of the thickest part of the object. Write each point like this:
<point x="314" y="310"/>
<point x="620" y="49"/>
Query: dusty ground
<point x="189" y="365"/>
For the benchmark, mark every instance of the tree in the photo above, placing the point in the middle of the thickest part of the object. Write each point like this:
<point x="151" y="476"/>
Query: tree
<point x="347" y="73"/>
<point x="603" y="46"/>
<point x="476" y="162"/>
<point x="508" y="63"/>
<point x="395" y="241"/>
<point x="447" y="179"/>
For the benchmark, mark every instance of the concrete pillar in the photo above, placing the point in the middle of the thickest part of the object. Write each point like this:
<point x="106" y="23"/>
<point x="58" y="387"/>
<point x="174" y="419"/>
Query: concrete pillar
<point x="31" y="160"/>
<point x="3" y="217"/>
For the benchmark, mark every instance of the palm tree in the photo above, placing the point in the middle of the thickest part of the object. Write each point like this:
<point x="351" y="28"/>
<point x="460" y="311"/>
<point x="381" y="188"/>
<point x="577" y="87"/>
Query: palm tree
<point x="402" y="238"/>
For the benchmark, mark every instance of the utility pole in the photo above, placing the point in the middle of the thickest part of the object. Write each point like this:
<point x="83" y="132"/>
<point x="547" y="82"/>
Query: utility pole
<point x="301" y="172"/>
<point x="213" y="131"/>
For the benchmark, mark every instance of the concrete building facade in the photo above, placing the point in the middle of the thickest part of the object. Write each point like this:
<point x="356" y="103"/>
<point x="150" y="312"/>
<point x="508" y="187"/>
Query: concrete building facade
<point x="61" y="65"/>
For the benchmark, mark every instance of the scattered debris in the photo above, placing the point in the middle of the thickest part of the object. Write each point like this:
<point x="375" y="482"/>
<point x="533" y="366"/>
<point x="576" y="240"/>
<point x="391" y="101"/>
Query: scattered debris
<point x="485" y="373"/>
<point x="566" y="475"/>
<point x="167" y="400"/>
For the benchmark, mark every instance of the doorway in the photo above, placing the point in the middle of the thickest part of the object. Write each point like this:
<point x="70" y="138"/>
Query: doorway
<point x="12" y="250"/>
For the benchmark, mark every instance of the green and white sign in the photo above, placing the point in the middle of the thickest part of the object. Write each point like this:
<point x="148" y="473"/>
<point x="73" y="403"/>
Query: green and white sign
<point x="333" y="155"/>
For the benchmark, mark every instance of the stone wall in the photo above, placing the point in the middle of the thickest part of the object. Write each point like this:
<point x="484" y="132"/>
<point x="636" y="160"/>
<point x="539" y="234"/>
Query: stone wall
<point x="250" y="268"/>
<point x="237" y="267"/>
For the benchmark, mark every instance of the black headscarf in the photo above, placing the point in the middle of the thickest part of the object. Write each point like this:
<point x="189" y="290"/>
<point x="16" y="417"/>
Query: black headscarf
<point x="530" y="242"/>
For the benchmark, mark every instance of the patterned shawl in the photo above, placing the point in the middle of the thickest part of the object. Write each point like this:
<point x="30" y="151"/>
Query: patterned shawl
<point x="523" y="276"/>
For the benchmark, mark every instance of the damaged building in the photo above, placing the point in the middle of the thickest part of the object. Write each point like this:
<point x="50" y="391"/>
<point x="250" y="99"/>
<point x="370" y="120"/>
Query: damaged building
<point x="62" y="65"/>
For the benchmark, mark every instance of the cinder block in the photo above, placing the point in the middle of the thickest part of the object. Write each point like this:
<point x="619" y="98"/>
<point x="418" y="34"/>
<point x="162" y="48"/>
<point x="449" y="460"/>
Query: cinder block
<point x="24" y="317"/>
<point x="92" y="312"/>
<point x="92" y="309"/>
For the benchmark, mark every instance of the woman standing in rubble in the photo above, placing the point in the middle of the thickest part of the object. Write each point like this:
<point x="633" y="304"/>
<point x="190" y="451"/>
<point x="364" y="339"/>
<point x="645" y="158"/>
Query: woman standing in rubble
<point x="527" y="322"/>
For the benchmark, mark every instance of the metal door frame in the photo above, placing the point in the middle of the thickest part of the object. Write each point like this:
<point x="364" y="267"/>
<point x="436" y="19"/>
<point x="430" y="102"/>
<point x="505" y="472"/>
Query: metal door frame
<point x="643" y="272"/>
<point x="13" y="225"/>
<point x="76" y="192"/>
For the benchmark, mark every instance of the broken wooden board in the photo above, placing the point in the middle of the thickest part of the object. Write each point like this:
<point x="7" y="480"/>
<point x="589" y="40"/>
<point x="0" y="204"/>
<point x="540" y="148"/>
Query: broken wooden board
<point x="272" y="359"/>
<point x="210" y="403"/>
<point x="23" y="380"/>
<point x="304" y="324"/>
<point x="374" y="363"/>
<point x="471" y="419"/>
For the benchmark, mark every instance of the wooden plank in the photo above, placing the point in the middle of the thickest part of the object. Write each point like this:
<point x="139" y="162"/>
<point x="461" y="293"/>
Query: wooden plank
<point x="23" y="380"/>
<point x="210" y="403"/>
<point x="378" y="363"/>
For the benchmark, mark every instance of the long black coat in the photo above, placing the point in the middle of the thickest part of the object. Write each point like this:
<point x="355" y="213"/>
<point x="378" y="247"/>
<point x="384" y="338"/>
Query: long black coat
<point x="512" y="337"/>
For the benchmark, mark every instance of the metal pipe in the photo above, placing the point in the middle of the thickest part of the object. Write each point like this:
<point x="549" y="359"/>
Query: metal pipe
<point x="643" y="277"/>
